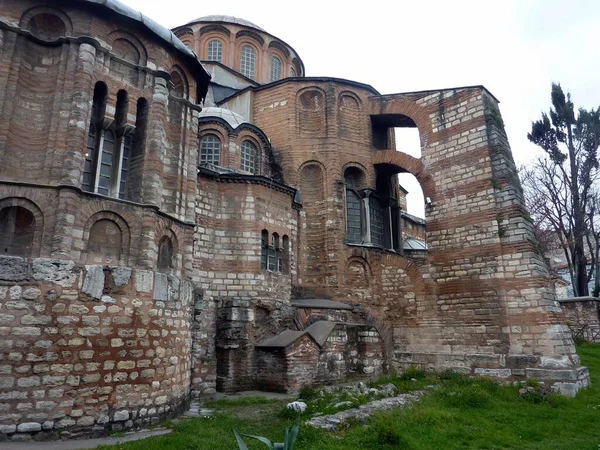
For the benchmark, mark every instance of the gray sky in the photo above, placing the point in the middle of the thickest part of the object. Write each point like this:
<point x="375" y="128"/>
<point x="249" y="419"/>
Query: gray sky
<point x="515" y="48"/>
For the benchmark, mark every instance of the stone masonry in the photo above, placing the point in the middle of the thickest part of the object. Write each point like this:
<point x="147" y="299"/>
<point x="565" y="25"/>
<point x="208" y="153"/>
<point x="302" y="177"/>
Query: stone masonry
<point x="187" y="212"/>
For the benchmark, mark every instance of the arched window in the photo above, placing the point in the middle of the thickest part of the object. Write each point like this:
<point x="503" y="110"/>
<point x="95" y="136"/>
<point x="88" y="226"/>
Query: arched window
<point x="354" y="180"/>
<point x="275" y="68"/>
<point x="17" y="227"/>
<point x="215" y="50"/>
<point x="248" y="62"/>
<point x="249" y="152"/>
<point x="292" y="72"/>
<point x="165" y="254"/>
<point x="264" y="249"/>
<point x="286" y="254"/>
<point x="108" y="150"/>
<point x="210" y="150"/>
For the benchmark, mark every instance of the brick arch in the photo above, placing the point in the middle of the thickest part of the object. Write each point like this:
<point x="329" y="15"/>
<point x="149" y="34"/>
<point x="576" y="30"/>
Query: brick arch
<point x="31" y="13"/>
<point x="397" y="162"/>
<point x="123" y="227"/>
<point x="162" y="236"/>
<point x="38" y="217"/>
<point x="411" y="268"/>
<point x="350" y="275"/>
<point x="311" y="110"/>
<point x="179" y="84"/>
<point x="350" y="116"/>
<point x="402" y="105"/>
<point x="121" y="35"/>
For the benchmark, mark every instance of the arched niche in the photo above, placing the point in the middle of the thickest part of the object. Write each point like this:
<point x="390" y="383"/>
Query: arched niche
<point x="17" y="231"/>
<point x="46" y="23"/>
<point x="312" y="112"/>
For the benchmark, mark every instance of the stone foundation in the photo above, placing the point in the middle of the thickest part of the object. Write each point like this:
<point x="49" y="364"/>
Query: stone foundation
<point x="89" y="349"/>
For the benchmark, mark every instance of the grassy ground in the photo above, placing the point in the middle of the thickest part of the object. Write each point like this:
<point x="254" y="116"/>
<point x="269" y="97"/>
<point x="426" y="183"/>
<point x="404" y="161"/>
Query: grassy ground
<point x="460" y="414"/>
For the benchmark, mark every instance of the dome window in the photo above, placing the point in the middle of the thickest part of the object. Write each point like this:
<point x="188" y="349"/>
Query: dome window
<point x="275" y="68"/>
<point x="248" y="62"/>
<point x="215" y="50"/>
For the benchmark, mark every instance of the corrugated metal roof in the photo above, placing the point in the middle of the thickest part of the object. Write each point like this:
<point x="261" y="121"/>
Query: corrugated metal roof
<point x="414" y="244"/>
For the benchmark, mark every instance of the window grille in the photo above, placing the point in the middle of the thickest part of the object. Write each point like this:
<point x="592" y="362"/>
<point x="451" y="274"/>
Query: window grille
<point x="275" y="68"/>
<point x="215" y="50"/>
<point x="249" y="157"/>
<point x="376" y="216"/>
<point x="210" y="150"/>
<point x="248" y="62"/>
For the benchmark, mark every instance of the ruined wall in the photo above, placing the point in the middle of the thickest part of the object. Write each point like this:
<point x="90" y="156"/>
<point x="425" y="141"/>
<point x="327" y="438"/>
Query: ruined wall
<point x="252" y="303"/>
<point x="87" y="347"/>
<point x="481" y="301"/>
<point x="582" y="316"/>
<point x="487" y="306"/>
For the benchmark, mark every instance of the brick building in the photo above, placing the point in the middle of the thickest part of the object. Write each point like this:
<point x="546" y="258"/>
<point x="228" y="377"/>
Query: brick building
<point x="171" y="227"/>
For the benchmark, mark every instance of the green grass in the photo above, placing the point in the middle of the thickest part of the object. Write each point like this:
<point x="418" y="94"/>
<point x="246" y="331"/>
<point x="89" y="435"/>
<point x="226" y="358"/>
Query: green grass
<point x="461" y="414"/>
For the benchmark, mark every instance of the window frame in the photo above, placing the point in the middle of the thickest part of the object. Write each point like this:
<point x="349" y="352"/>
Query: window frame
<point x="241" y="60"/>
<point x="219" y="147"/>
<point x="272" y="68"/>
<point x="208" y="49"/>
<point x="249" y="163"/>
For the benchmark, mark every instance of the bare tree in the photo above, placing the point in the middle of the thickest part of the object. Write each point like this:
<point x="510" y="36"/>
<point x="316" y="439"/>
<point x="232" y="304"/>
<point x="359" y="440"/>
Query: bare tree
<point x="561" y="187"/>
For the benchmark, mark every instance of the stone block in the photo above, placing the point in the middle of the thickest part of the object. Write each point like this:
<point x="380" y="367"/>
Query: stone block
<point x="121" y="275"/>
<point x="29" y="427"/>
<point x="93" y="284"/>
<point x="144" y="280"/>
<point x="121" y="416"/>
<point x="6" y="429"/>
<point x="57" y="271"/>
<point x="31" y="293"/>
<point x="550" y="374"/>
<point x="13" y="268"/>
<point x="496" y="373"/>
<point x="161" y="287"/>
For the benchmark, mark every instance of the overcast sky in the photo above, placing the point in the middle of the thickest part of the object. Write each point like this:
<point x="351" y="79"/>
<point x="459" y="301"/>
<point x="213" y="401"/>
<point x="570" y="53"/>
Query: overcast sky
<point x="515" y="48"/>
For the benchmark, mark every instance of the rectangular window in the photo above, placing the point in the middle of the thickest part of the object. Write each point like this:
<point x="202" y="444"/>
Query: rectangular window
<point x="272" y="262"/>
<point x="353" y="217"/>
<point x="376" y="216"/>
<point x="127" y="144"/>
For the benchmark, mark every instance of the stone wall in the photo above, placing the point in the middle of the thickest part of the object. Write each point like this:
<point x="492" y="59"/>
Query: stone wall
<point x="92" y="347"/>
<point x="252" y="303"/>
<point x="582" y="316"/>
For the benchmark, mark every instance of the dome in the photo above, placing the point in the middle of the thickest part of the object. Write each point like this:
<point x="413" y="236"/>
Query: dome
<point x="233" y="119"/>
<point x="228" y="19"/>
